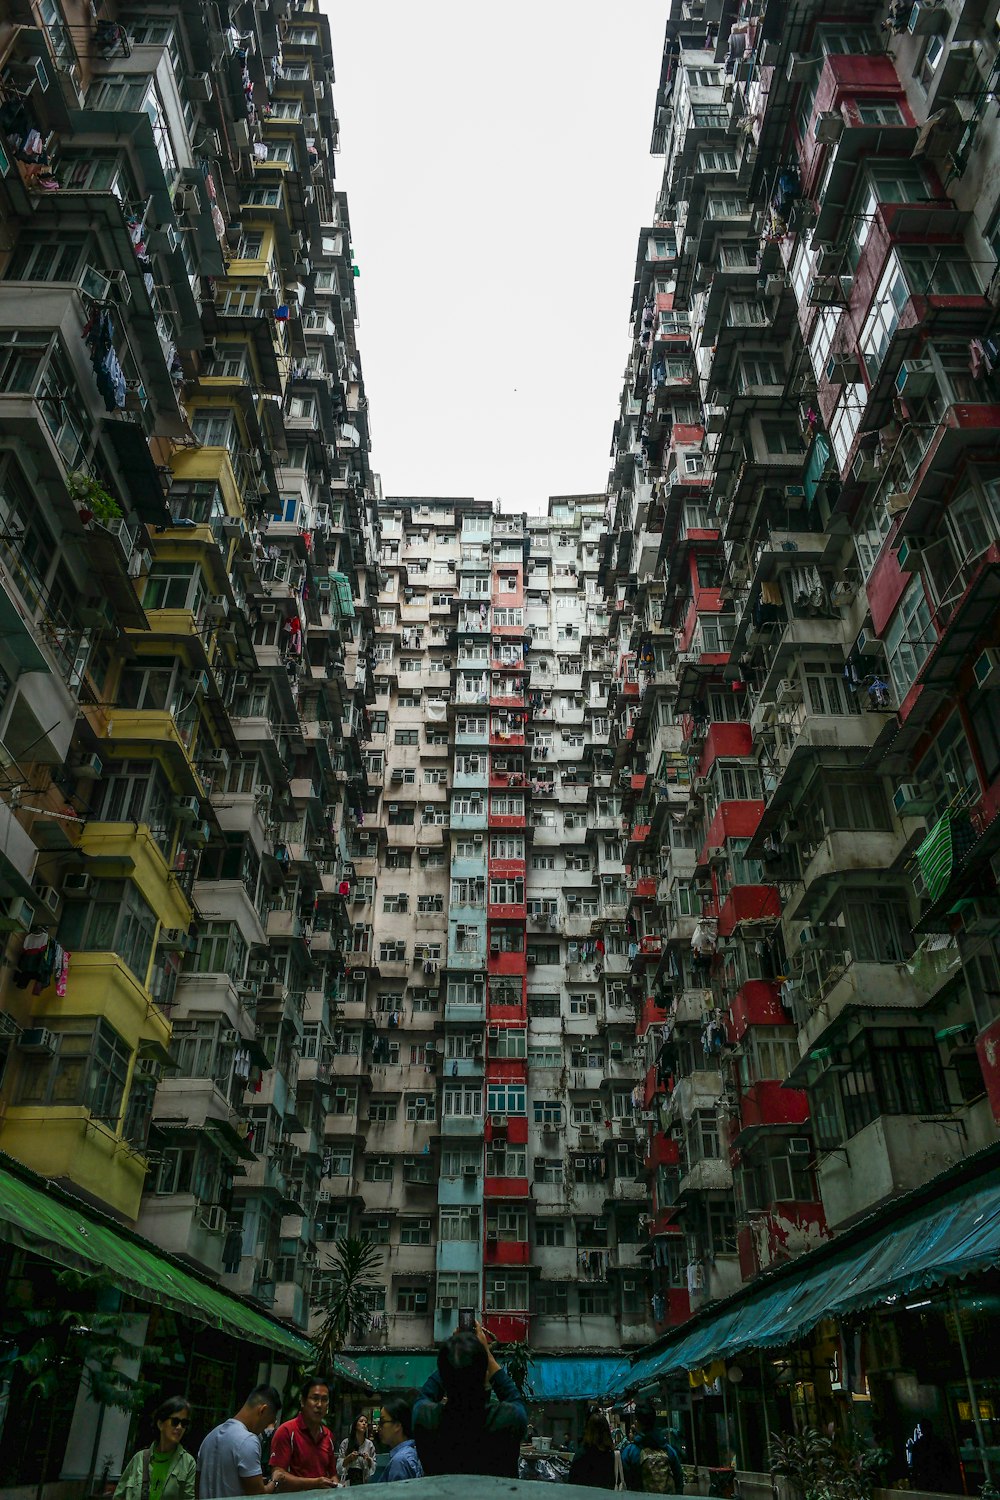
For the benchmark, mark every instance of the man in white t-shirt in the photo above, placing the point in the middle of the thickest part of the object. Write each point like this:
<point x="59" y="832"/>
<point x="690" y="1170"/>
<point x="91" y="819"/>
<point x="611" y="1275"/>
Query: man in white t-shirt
<point x="229" y="1458"/>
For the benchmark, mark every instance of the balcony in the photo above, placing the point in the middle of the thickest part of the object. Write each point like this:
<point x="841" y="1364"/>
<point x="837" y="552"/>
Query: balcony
<point x="463" y="1125"/>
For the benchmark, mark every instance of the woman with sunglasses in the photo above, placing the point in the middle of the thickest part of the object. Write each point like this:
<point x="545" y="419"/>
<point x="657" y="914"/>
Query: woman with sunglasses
<point x="165" y="1470"/>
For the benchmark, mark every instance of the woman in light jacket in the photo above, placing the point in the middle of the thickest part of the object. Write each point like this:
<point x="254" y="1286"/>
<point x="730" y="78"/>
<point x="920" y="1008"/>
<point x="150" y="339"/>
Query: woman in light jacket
<point x="165" y="1470"/>
<point x="356" y="1455"/>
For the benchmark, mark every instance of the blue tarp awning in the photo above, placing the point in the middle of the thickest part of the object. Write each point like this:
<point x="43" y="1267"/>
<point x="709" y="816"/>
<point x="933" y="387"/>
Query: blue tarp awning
<point x="583" y="1378"/>
<point x="952" y="1236"/>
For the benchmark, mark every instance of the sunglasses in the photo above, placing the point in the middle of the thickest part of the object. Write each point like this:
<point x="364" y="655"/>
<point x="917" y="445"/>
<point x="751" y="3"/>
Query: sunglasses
<point x="180" y="1421"/>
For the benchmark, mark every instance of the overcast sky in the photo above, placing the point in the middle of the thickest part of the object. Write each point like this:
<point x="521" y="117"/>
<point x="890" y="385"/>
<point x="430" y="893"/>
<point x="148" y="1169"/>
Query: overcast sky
<point x="496" y="161"/>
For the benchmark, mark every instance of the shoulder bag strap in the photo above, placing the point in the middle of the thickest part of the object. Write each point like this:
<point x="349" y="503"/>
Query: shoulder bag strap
<point x="144" y="1483"/>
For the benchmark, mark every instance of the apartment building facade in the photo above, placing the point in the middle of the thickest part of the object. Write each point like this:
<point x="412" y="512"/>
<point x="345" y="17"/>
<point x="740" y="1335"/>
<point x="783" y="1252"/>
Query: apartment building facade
<point x="188" y="568"/>
<point x="801" y="572"/>
<point x="488" y="1055"/>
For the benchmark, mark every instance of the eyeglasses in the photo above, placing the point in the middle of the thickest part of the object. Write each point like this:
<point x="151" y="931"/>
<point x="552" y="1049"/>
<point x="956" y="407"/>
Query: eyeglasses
<point x="180" y="1421"/>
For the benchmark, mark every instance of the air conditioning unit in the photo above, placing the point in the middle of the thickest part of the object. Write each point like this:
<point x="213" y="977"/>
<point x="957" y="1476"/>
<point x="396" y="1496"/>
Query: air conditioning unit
<point x="910" y="554"/>
<point x="214" y="1219"/>
<point x="789" y="691"/>
<point x="799" y="1145"/>
<point x="927" y="18"/>
<point x="825" y="291"/>
<point x="915" y="378"/>
<point x="18" y="915"/>
<point x="912" y="799"/>
<point x="799" y="68"/>
<point x="795" y="494"/>
<point x="828" y="127"/>
<point x="445" y="1303"/>
<point x="76" y="885"/>
<point x="87" y="768"/>
<point x="498" y="1122"/>
<point x="864" y="467"/>
<point x="843" y="369"/>
<point x="186" y="809"/>
<point x="470" y="1170"/>
<point x="176" y="938"/>
<point x="37" y="1040"/>
<point x="49" y="897"/>
<point x="810" y="938"/>
<point x="986" y="669"/>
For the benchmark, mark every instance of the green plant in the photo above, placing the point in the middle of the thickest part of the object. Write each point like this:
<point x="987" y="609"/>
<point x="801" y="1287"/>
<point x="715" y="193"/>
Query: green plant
<point x="351" y="1269"/>
<point x="813" y="1465"/>
<point x="516" y="1359"/>
<point x="89" y="496"/>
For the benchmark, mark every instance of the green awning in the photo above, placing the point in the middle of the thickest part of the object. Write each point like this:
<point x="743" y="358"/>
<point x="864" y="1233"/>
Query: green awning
<point x="946" y="843"/>
<point x="397" y="1372"/>
<point x="341" y="590"/>
<point x="49" y="1222"/>
<point x="550" y="1377"/>
<point x="947" y="1234"/>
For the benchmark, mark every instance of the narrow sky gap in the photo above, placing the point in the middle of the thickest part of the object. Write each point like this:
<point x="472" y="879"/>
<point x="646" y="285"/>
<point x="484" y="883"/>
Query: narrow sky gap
<point x="498" y="172"/>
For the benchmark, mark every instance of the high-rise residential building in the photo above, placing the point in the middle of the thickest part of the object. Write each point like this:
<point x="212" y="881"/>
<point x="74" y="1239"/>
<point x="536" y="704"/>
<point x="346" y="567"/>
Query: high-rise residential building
<point x="187" y="573"/>
<point x="801" y="570"/>
<point x="484" y="1131"/>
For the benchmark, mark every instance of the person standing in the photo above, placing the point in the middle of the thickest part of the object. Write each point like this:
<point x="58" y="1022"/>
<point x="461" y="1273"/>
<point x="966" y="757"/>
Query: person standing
<point x="649" y="1462"/>
<point x="470" y="1417"/>
<point x="597" y="1463"/>
<point x="165" y="1470"/>
<point x="356" y="1457"/>
<point x="395" y="1430"/>
<point x="229" y="1458"/>
<point x="302" y="1450"/>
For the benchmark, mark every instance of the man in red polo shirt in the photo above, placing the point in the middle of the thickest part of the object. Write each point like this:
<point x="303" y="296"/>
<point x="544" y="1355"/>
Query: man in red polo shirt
<point x="302" y="1453"/>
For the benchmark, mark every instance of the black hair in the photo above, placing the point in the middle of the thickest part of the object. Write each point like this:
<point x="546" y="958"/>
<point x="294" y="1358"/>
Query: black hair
<point x="171" y="1407"/>
<point x="400" y="1409"/>
<point x="645" y="1415"/>
<point x="354" y="1426"/>
<point x="308" y="1385"/>
<point x="264" y="1395"/>
<point x="462" y="1367"/>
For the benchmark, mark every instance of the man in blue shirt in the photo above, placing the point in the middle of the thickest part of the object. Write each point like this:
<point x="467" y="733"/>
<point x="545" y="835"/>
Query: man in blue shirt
<point x="395" y="1429"/>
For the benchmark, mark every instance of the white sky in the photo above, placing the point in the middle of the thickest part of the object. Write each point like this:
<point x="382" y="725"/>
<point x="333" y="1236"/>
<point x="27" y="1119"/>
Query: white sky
<point x="496" y="161"/>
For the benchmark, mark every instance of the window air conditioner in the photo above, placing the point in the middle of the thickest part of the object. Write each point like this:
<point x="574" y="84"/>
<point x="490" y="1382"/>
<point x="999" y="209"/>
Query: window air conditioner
<point x="828" y="127"/>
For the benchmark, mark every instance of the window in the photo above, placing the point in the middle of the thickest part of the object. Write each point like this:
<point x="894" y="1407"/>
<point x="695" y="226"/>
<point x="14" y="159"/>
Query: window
<point x="461" y="1288"/>
<point x="400" y="902"/>
<point x="882" y="321"/>
<point x="512" y="1041"/>
<point x="88" y="1068"/>
<point x="462" y="1099"/>
<point x="879" y="112"/>
<point x="594" y="1301"/>
<point x="910" y="638"/>
<point x="382" y="1111"/>
<point x="548" y="1113"/>
<point x="411" y="1299"/>
<point x="420" y="1109"/>
<point x="117" y="920"/>
<point x="407" y="737"/>
<point x="506" y="1099"/>
<point x="400" y="815"/>
<point x="378" y="1169"/>
<point x="878" y="928"/>
<point x="415" y="1232"/>
<point x="552" y="1299"/>
<point x="460" y="1224"/>
<point x="550" y="1234"/>
<point x="542" y="1005"/>
<point x="376" y="1230"/>
<point x="547" y="1169"/>
<point x="507" y="1293"/>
